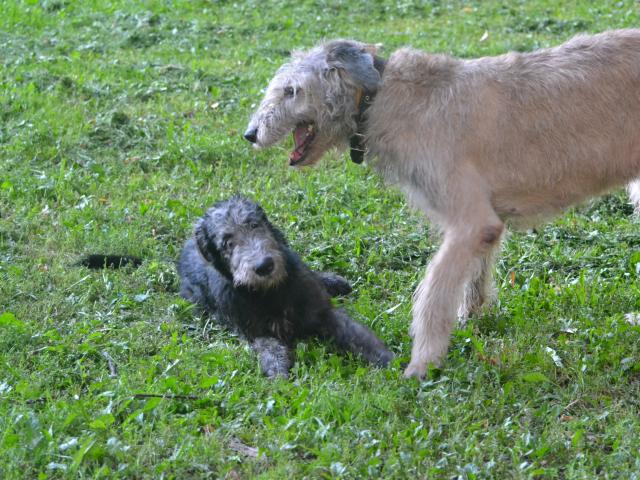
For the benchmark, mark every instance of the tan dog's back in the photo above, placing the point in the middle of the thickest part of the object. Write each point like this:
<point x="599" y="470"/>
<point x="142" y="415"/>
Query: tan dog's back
<point x="544" y="130"/>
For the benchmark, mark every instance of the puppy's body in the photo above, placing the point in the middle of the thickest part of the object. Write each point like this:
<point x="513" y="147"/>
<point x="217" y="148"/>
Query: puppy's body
<point x="472" y="143"/>
<point x="223" y="270"/>
<point x="283" y="311"/>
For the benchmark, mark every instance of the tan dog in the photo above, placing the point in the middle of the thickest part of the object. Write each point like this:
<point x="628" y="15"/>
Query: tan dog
<point x="472" y="143"/>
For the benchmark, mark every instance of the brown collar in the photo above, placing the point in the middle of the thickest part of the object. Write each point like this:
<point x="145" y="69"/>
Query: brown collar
<point x="364" y="99"/>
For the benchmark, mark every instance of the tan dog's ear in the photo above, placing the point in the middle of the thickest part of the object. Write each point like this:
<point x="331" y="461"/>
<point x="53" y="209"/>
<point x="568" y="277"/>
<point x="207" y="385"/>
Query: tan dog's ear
<point x="354" y="59"/>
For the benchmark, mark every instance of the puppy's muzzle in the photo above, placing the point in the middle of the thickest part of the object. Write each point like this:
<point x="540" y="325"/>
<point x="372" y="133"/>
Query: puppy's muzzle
<point x="264" y="267"/>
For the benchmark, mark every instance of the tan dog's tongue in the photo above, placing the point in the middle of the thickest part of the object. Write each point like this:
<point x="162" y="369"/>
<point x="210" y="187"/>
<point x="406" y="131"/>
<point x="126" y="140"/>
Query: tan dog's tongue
<point x="299" y="135"/>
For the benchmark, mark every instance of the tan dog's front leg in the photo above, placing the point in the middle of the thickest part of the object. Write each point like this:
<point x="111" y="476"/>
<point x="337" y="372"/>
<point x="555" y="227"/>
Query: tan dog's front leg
<point x="441" y="292"/>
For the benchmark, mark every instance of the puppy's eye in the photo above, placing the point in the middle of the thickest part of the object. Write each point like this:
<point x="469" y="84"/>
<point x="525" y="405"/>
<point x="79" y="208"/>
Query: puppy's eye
<point x="289" y="91"/>
<point x="226" y="241"/>
<point x="253" y="225"/>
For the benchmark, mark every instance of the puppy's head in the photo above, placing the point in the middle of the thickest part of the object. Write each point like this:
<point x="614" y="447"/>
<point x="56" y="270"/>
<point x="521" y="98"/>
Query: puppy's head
<point x="236" y="237"/>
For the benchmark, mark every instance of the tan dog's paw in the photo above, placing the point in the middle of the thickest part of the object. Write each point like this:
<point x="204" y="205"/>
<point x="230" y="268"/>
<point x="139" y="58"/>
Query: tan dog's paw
<point x="416" y="370"/>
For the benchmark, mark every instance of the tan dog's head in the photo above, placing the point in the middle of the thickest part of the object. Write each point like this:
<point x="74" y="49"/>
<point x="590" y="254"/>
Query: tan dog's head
<point x="315" y="96"/>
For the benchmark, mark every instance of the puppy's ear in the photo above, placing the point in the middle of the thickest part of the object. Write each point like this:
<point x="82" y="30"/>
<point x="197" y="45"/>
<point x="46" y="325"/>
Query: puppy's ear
<point x="208" y="249"/>
<point x="277" y="234"/>
<point x="206" y="244"/>
<point x="357" y="61"/>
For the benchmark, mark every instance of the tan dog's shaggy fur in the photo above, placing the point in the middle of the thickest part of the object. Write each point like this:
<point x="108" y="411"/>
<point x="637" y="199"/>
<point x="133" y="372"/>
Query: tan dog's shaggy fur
<point x="472" y="143"/>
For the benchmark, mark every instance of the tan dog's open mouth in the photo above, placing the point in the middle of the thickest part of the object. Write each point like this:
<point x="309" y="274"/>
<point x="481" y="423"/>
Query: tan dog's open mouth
<point x="303" y="137"/>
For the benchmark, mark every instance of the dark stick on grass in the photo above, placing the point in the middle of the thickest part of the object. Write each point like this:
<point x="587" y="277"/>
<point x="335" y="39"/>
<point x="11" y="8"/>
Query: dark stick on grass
<point x="139" y="396"/>
<point x="98" y="261"/>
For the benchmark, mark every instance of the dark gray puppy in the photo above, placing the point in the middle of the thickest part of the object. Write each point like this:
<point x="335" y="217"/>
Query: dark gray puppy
<point x="240" y="269"/>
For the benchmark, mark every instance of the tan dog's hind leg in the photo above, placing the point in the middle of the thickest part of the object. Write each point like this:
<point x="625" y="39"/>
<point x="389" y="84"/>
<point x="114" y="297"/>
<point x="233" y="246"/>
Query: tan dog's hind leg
<point x="633" y="189"/>
<point x="480" y="290"/>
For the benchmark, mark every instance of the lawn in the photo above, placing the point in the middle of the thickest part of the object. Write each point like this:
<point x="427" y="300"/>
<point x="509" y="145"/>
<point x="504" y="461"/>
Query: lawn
<point x="120" y="122"/>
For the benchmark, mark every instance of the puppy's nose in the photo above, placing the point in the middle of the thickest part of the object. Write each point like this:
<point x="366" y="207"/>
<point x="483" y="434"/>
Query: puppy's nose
<point x="265" y="267"/>
<point x="251" y="135"/>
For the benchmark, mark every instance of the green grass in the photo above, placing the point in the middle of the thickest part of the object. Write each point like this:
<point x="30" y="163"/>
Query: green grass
<point x="120" y="123"/>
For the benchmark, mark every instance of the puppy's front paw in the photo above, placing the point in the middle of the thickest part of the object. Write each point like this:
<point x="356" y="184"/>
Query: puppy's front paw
<point x="275" y="358"/>
<point x="335" y="284"/>
<point x="276" y="372"/>
<point x="385" y="357"/>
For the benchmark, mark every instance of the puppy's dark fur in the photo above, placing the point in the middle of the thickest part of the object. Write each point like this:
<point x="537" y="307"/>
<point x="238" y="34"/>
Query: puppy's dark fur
<point x="239" y="268"/>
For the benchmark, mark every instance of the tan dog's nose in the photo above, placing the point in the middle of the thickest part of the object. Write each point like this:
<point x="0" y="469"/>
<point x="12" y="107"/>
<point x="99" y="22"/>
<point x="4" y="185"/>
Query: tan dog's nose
<point x="251" y="135"/>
